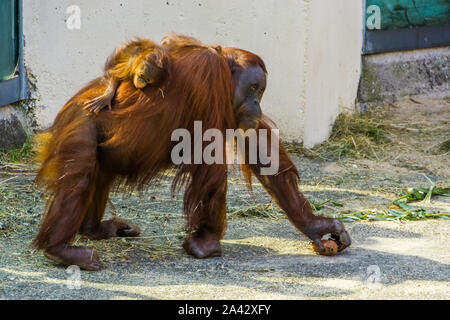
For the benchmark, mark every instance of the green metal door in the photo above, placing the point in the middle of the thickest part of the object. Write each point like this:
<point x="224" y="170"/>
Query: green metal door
<point x="9" y="44"/>
<point x="392" y="25"/>
<point x="13" y="80"/>
<point x="397" y="14"/>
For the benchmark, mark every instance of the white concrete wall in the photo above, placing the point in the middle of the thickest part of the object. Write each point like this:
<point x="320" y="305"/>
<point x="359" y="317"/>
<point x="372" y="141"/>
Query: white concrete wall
<point x="311" y="48"/>
<point x="333" y="64"/>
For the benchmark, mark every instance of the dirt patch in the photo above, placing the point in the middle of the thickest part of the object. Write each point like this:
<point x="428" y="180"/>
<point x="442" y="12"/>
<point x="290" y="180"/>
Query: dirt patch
<point x="413" y="133"/>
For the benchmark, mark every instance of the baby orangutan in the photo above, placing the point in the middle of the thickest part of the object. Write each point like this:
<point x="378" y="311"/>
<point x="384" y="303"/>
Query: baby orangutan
<point x="142" y="61"/>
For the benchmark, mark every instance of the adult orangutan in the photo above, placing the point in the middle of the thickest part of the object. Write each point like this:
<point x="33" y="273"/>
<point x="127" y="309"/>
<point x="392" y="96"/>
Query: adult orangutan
<point x="85" y="154"/>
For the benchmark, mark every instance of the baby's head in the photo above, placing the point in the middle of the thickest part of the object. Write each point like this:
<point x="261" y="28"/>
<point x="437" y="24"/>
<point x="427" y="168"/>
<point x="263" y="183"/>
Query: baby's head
<point x="150" y="67"/>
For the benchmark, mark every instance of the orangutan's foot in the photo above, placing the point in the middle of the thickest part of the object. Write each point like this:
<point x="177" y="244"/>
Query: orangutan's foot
<point x="204" y="246"/>
<point x="85" y="258"/>
<point x="97" y="104"/>
<point x="115" y="227"/>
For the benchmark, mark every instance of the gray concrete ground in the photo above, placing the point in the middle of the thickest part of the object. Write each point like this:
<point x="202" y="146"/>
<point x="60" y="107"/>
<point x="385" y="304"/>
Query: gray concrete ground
<point x="263" y="258"/>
